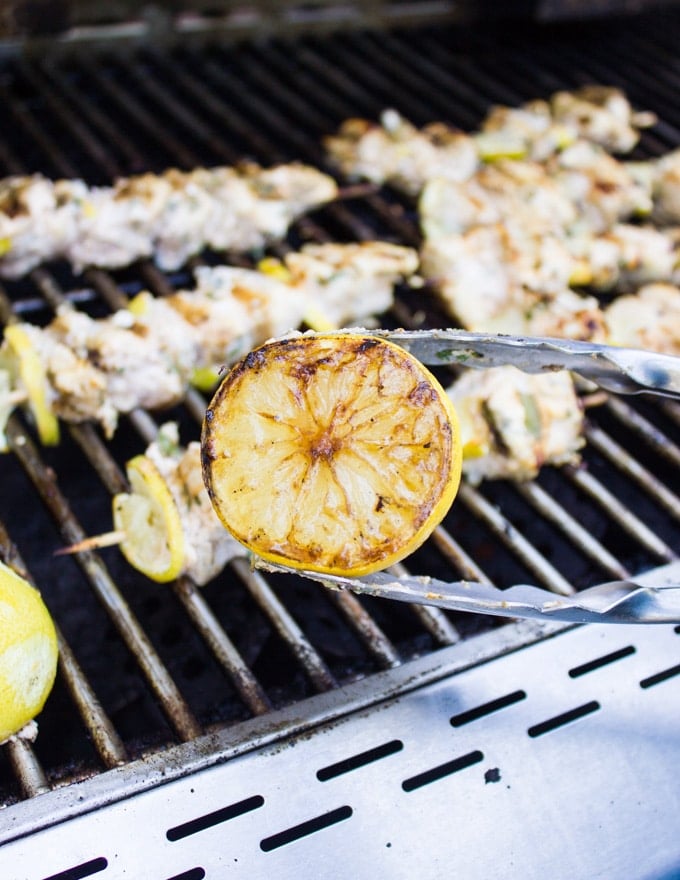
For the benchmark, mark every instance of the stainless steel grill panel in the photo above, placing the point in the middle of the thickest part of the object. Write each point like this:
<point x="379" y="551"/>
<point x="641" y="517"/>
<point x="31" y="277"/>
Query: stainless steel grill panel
<point x="182" y="678"/>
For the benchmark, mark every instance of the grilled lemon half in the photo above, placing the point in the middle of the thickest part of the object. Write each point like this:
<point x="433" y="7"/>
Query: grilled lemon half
<point x="28" y="652"/>
<point x="337" y="453"/>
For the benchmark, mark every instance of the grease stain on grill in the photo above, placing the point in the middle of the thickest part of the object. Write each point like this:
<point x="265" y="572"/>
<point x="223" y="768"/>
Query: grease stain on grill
<point x="78" y="872"/>
<point x="660" y="677"/>
<point x="359" y="760"/>
<point x="562" y="719"/>
<point x="599" y="662"/>
<point x="304" y="829"/>
<point x="209" y="820"/>
<point x="487" y="708"/>
<point x="442" y="771"/>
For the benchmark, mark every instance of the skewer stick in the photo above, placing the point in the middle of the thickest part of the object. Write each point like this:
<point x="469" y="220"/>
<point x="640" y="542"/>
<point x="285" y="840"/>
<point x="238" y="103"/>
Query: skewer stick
<point x="95" y="542"/>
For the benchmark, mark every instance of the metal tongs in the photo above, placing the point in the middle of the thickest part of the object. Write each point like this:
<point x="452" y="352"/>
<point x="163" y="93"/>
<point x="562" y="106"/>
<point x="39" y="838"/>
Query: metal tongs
<point x="625" y="371"/>
<point x="614" y="602"/>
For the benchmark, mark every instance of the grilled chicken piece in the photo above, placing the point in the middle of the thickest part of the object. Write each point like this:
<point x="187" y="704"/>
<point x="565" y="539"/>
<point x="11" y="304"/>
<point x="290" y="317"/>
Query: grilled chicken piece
<point x="170" y="217"/>
<point x="601" y="114"/>
<point x="208" y="546"/>
<point x="648" y="319"/>
<point x="37" y="220"/>
<point x="348" y="282"/>
<point x="138" y="369"/>
<point x="492" y="281"/>
<point x="513" y="423"/>
<point x="115" y="224"/>
<point x="530" y="130"/>
<point x="603" y="190"/>
<point x="516" y="192"/>
<point x="394" y="151"/>
<point x="626" y="256"/>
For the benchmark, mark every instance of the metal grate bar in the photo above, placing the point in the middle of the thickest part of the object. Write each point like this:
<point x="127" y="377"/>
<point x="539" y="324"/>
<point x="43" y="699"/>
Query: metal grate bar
<point x="511" y="537"/>
<point x="619" y="513"/>
<point x="69" y="119"/>
<point x="659" y="442"/>
<point x="143" y="121"/>
<point x="620" y="457"/>
<point x="287" y="628"/>
<point x="546" y="505"/>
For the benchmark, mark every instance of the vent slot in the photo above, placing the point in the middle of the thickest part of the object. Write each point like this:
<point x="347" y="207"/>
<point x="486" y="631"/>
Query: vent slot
<point x="562" y="719"/>
<point x="443" y="770"/>
<point x="360" y="760"/>
<point x="304" y="829"/>
<point x="660" y="677"/>
<point x="215" y="818"/>
<point x="487" y="708"/>
<point x="192" y="874"/>
<point x="79" y="872"/>
<point x="592" y="665"/>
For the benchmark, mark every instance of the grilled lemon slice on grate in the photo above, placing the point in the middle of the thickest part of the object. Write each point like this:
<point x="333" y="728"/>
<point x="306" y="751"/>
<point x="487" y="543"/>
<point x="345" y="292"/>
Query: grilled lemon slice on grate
<point x="29" y="372"/>
<point x="28" y="652"/>
<point x="148" y="519"/>
<point x="335" y="452"/>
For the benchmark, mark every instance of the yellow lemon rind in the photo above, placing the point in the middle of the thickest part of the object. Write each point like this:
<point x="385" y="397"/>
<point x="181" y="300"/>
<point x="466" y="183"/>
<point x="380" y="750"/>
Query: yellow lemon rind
<point x="153" y="500"/>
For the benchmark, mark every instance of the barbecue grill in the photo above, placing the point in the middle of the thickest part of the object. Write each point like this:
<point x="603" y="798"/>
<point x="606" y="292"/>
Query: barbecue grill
<point x="263" y="726"/>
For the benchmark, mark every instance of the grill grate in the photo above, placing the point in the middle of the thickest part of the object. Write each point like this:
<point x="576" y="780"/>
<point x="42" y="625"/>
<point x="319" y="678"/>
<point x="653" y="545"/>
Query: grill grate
<point x="144" y="668"/>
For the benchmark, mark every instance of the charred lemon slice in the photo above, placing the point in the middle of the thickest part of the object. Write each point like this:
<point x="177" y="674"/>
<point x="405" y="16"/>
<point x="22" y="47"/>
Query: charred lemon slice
<point x="337" y="453"/>
<point x="30" y="373"/>
<point x="28" y="652"/>
<point x="149" y="520"/>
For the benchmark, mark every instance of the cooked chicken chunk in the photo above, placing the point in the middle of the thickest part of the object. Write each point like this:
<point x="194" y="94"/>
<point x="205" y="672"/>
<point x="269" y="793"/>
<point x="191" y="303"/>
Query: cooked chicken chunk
<point x="648" y="319"/>
<point x="516" y="192"/>
<point x="344" y="283"/>
<point x="626" y="256"/>
<point x="602" y="189"/>
<point x="491" y="281"/>
<point x="169" y="217"/>
<point x="513" y="423"/>
<point x="396" y="152"/>
<point x="35" y="222"/>
<point x="601" y="114"/>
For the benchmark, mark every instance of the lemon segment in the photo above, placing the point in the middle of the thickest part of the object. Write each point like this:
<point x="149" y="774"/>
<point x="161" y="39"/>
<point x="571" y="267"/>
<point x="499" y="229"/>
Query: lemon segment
<point x="28" y="652"/>
<point x="32" y="376"/>
<point x="148" y="516"/>
<point x="205" y="378"/>
<point x="338" y="453"/>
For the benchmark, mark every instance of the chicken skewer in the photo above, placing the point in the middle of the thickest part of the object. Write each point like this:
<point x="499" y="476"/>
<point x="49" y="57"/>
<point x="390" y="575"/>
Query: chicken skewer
<point x="169" y="216"/>
<point x="396" y="152"/>
<point x="78" y="368"/>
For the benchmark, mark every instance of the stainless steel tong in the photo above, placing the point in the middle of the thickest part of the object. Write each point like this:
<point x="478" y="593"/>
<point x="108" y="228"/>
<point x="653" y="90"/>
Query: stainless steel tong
<point x="623" y="370"/>
<point x="614" y="602"/>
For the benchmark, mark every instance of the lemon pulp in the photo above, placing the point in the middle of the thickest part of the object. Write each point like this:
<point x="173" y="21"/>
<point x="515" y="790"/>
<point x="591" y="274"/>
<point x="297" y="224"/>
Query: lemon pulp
<point x="337" y="452"/>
